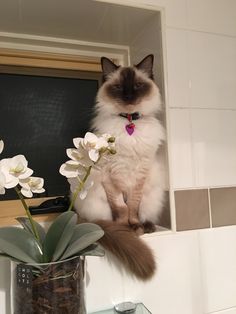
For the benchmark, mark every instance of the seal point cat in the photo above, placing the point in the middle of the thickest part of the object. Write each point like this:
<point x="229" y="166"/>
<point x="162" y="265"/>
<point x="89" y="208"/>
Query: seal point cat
<point x="128" y="194"/>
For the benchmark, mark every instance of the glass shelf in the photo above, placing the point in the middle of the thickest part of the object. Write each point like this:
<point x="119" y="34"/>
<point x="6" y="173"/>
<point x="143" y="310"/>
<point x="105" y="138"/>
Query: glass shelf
<point x="140" y="309"/>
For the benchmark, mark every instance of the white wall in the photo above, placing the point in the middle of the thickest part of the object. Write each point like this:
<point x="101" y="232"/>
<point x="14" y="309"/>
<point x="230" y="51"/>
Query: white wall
<point x="201" y="65"/>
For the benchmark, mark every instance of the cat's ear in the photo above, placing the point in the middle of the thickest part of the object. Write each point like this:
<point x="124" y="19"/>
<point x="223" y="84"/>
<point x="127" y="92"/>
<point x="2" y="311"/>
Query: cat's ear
<point x="107" y="67"/>
<point x="146" y="65"/>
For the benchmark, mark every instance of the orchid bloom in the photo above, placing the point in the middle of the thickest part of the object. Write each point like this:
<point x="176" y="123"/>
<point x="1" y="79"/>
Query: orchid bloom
<point x="92" y="144"/>
<point x="14" y="169"/>
<point x="31" y="185"/>
<point x="85" y="156"/>
<point x="86" y="153"/>
<point x="72" y="169"/>
<point x="80" y="155"/>
<point x="1" y="146"/>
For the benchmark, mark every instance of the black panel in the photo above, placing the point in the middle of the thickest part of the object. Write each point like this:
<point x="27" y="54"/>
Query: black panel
<point x="39" y="117"/>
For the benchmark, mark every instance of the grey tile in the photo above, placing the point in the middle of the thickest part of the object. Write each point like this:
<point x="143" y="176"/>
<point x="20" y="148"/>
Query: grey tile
<point x="223" y="206"/>
<point x="192" y="209"/>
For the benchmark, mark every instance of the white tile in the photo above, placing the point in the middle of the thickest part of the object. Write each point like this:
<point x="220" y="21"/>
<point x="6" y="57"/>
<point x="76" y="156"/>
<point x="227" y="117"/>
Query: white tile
<point x="214" y="146"/>
<point x="177" y="68"/>
<point x="175" y="12"/>
<point x="181" y="167"/>
<point x="217" y="16"/>
<point x="104" y="284"/>
<point x="177" y="286"/>
<point x="212" y="68"/>
<point x="218" y="256"/>
<point x="177" y="279"/>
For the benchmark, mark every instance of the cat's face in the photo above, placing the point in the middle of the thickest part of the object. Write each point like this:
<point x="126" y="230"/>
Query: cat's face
<point x="128" y="89"/>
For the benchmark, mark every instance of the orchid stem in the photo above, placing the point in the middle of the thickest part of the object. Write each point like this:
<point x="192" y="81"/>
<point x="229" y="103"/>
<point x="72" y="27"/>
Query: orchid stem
<point x="35" y="231"/>
<point x="79" y="188"/>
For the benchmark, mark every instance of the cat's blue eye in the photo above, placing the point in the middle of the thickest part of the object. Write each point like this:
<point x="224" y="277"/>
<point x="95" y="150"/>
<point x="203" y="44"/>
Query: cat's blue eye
<point x="138" y="85"/>
<point x="117" y="86"/>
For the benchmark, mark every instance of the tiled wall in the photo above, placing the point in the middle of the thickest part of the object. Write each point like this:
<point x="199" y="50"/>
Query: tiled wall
<point x="201" y="67"/>
<point x="200" y="50"/>
<point x="205" y="208"/>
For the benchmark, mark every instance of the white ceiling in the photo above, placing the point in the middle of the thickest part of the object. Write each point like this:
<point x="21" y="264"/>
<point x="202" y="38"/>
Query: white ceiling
<point x="74" y="19"/>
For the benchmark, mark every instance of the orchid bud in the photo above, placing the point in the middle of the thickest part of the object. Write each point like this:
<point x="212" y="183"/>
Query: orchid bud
<point x="111" y="139"/>
<point x="102" y="150"/>
<point x="112" y="150"/>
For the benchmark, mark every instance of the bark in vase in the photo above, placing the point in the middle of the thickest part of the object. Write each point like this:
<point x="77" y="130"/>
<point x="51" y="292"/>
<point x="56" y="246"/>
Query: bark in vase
<point x="58" y="289"/>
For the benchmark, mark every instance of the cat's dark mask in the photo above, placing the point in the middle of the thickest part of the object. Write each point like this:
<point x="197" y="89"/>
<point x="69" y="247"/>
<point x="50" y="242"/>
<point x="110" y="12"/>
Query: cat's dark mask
<point x="128" y="88"/>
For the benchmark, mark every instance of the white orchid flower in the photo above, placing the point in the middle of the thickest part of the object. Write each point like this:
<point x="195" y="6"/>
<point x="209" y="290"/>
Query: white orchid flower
<point x="74" y="184"/>
<point x="86" y="155"/>
<point x="80" y="155"/>
<point x="31" y="185"/>
<point x="2" y="183"/>
<point x="1" y="146"/>
<point x="93" y="144"/>
<point x="14" y="169"/>
<point x="72" y="169"/>
<point x="87" y="147"/>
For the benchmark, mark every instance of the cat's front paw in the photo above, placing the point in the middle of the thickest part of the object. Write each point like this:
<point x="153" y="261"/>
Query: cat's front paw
<point x="137" y="228"/>
<point x="149" y="227"/>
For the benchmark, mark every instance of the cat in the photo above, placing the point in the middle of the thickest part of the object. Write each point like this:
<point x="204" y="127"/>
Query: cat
<point x="128" y="192"/>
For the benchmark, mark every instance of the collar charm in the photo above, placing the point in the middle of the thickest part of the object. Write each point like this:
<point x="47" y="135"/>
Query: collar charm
<point x="130" y="126"/>
<point x="130" y="116"/>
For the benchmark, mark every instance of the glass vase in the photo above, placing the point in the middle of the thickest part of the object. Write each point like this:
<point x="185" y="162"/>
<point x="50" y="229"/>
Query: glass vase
<point x="52" y="288"/>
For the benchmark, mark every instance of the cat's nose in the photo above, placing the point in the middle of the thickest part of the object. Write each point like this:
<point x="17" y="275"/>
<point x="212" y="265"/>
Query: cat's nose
<point x="127" y="97"/>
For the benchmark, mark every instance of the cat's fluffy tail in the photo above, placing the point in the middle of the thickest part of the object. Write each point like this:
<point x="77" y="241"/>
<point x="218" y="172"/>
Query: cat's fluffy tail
<point x="133" y="253"/>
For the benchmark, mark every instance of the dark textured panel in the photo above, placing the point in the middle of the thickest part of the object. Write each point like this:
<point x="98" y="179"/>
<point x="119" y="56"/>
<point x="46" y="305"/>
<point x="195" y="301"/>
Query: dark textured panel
<point x="39" y="117"/>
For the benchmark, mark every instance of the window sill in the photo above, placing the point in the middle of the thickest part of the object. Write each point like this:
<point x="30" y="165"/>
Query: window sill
<point x="10" y="210"/>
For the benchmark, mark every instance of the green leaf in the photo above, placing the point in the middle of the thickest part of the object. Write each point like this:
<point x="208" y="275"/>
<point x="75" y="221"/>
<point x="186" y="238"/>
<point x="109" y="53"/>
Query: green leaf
<point x="20" y="245"/>
<point x="25" y="222"/>
<point x="6" y="256"/>
<point x="82" y="229"/>
<point x="93" y="250"/>
<point x="84" y="235"/>
<point x="58" y="236"/>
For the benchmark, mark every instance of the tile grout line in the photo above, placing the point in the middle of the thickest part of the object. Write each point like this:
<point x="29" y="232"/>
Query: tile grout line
<point x="201" y="31"/>
<point x="202" y="108"/>
<point x="205" y="187"/>
<point x="209" y="207"/>
<point x="223" y="311"/>
<point x="193" y="159"/>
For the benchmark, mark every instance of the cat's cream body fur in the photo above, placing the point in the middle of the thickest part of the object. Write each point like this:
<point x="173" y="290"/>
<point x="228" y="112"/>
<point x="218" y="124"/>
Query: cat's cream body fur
<point x="137" y="159"/>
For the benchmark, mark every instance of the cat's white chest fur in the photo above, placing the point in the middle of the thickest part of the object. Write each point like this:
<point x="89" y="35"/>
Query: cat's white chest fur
<point x="135" y="152"/>
<point x="136" y="156"/>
